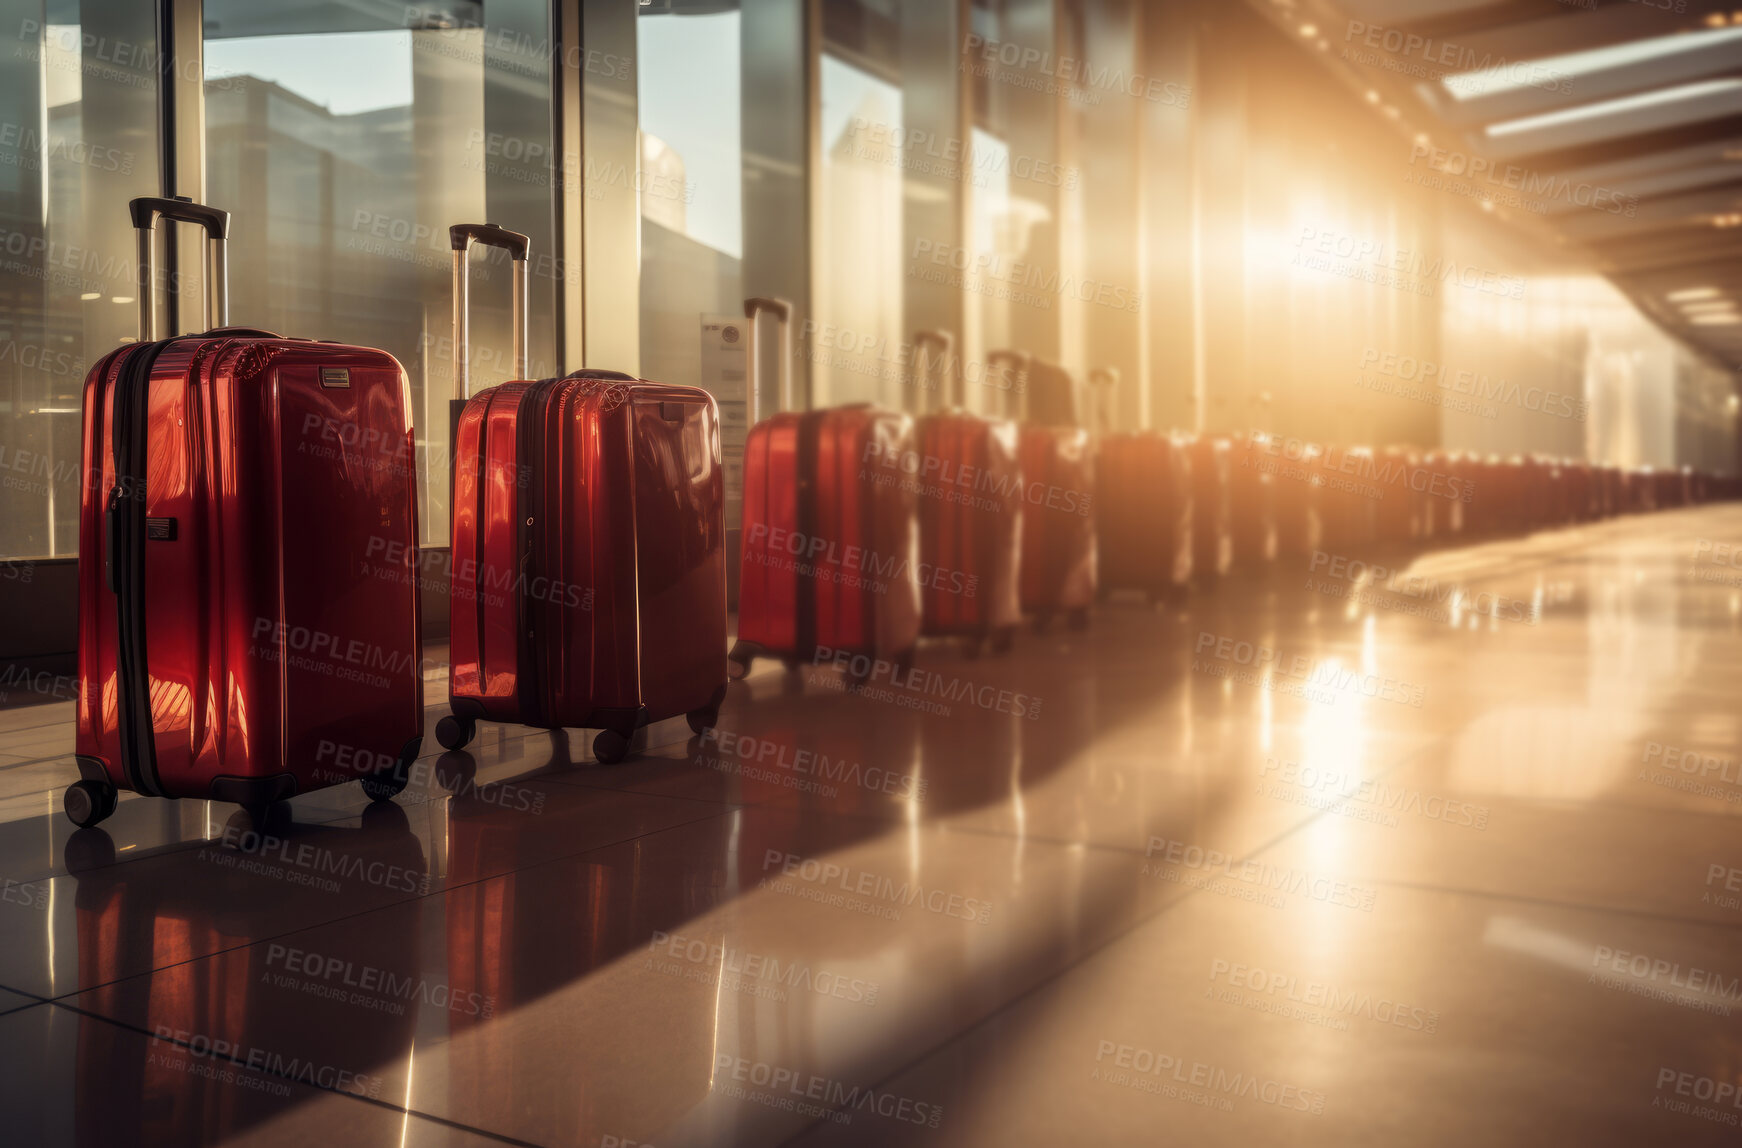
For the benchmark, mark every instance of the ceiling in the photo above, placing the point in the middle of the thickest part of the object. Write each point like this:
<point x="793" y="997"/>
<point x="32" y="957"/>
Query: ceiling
<point x="1610" y="126"/>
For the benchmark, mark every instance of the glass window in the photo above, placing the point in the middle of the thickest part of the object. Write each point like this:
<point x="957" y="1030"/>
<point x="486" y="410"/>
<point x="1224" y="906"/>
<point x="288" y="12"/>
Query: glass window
<point x="78" y="139"/>
<point x="345" y="143"/>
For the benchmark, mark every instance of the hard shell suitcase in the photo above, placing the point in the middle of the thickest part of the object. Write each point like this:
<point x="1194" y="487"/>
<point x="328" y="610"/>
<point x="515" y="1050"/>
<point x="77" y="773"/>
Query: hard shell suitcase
<point x="589" y="571"/>
<point x="1058" y="477"/>
<point x="830" y="544"/>
<point x="1256" y="539"/>
<point x="967" y="479"/>
<point x="1143" y="507"/>
<point x="248" y="611"/>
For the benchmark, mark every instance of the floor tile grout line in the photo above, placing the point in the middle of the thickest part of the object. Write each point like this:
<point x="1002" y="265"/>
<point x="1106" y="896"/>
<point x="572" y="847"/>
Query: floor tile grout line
<point x="1555" y="903"/>
<point x="443" y="891"/>
<point x="316" y="1087"/>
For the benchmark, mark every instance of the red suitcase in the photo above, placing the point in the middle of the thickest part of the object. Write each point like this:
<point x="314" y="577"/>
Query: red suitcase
<point x="248" y="619"/>
<point x="1398" y="512"/>
<point x="1346" y="496"/>
<point x="1058" y="533"/>
<point x="968" y="480"/>
<point x="830" y="546"/>
<point x="589" y="572"/>
<point x="1294" y="465"/>
<point x="1256" y="538"/>
<point x="1212" y="507"/>
<point x="1143" y="507"/>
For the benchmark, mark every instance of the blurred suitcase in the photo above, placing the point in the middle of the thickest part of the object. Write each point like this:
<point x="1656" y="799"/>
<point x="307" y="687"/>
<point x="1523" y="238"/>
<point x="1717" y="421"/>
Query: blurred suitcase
<point x="1346" y="495"/>
<point x="589" y="577"/>
<point x="1294" y="465"/>
<point x="1058" y="532"/>
<point x="1397" y="513"/>
<point x="1143" y="509"/>
<point x="1212" y="507"/>
<point x="1256" y="540"/>
<point x="235" y="638"/>
<point x="969" y="485"/>
<point x="830" y="545"/>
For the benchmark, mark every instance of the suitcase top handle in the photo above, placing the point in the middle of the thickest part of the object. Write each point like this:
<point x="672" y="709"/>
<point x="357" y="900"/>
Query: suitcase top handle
<point x="461" y="236"/>
<point x="924" y="364"/>
<point x="1103" y="382"/>
<point x="782" y="312"/>
<point x="146" y="211"/>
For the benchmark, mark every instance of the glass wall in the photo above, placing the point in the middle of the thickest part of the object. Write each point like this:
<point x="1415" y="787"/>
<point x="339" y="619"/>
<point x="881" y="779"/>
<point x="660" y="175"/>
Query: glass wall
<point x="78" y="139"/>
<point x="345" y="144"/>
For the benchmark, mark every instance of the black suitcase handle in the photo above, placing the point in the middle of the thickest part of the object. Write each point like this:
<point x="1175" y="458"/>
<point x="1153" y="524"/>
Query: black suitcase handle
<point x="146" y="211"/>
<point x="461" y="236"/>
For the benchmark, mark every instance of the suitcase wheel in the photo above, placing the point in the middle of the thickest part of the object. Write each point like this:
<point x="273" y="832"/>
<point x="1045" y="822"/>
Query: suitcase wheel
<point x="611" y="747"/>
<point x="88" y="802"/>
<point x="455" y="732"/>
<point x="703" y="720"/>
<point x="1003" y="639"/>
<point x="737" y="670"/>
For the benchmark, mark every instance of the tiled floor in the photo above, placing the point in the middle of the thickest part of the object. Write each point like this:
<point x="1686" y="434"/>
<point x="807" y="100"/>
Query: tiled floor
<point x="1177" y="903"/>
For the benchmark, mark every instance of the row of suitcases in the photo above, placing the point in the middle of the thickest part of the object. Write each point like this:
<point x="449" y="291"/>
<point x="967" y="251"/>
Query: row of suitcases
<point x="249" y="623"/>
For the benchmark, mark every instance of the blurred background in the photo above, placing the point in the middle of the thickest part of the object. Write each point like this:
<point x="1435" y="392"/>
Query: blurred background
<point x="1495" y="226"/>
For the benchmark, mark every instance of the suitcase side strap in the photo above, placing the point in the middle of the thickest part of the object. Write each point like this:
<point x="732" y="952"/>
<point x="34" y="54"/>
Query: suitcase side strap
<point x="124" y="535"/>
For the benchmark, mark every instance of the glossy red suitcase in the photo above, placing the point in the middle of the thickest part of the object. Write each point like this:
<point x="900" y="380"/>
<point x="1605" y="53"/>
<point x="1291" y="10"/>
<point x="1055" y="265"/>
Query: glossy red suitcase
<point x="829" y="558"/>
<point x="1346" y="494"/>
<point x="589" y="571"/>
<point x="1143" y="506"/>
<point x="968" y="481"/>
<point x="248" y="614"/>
<point x="1212" y="507"/>
<point x="1398" y="511"/>
<point x="1294" y="465"/>
<point x="1058" y="530"/>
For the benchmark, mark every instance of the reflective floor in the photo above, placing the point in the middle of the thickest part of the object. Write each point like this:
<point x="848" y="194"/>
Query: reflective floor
<point x="1295" y="862"/>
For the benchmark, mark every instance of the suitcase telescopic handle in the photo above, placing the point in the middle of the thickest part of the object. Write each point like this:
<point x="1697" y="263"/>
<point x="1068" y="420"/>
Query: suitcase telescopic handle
<point x="461" y="236"/>
<point x="782" y="312"/>
<point x="1103" y="382"/>
<point x="945" y="343"/>
<point x="1018" y="362"/>
<point x="146" y="211"/>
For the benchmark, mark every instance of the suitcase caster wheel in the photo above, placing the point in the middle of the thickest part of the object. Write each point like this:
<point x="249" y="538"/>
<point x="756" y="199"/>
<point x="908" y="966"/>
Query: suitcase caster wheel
<point x="610" y="747"/>
<point x="455" y="733"/>
<point x="88" y="802"/>
<point x="385" y="785"/>
<point x="701" y="721"/>
<point x="1077" y="620"/>
<point x="1003" y="640"/>
<point x="737" y="671"/>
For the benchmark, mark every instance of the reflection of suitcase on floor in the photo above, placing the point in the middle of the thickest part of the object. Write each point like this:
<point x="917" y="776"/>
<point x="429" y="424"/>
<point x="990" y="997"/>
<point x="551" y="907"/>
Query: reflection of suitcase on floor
<point x="969" y="482"/>
<point x="830" y="551"/>
<point x="246" y="614"/>
<point x="1143" y="507"/>
<point x="1058" y="531"/>
<point x="589" y="578"/>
